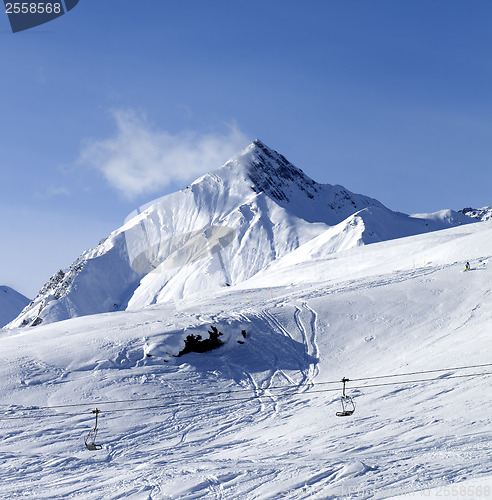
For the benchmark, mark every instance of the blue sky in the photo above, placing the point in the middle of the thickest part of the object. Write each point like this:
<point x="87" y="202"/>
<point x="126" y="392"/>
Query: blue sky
<point x="392" y="99"/>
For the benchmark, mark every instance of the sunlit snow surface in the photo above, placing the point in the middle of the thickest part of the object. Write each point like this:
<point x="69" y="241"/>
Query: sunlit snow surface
<point x="223" y="229"/>
<point x="395" y="307"/>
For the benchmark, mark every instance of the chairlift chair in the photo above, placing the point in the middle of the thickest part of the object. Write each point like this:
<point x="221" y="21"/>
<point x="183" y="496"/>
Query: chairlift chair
<point x="90" y="440"/>
<point x="348" y="405"/>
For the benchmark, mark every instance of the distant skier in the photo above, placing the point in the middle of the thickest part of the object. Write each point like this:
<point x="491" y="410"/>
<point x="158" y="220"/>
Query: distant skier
<point x="467" y="266"/>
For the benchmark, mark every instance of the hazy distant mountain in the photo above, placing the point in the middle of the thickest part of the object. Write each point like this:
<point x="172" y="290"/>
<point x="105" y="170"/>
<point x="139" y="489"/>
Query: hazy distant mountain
<point x="11" y="304"/>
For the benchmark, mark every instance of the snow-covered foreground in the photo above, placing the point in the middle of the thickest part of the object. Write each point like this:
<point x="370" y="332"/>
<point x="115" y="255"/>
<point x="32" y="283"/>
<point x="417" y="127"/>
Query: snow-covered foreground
<point x="257" y="419"/>
<point x="473" y="489"/>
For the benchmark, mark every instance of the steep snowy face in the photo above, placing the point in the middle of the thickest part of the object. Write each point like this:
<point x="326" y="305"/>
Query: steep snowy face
<point x="221" y="230"/>
<point x="100" y="280"/>
<point x="11" y="304"/>
<point x="367" y="226"/>
<point x="482" y="214"/>
<point x="271" y="173"/>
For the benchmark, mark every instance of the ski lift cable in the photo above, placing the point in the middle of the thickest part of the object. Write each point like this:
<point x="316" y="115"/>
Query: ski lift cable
<point x="236" y="391"/>
<point x="247" y="398"/>
<point x="422" y="372"/>
<point x="403" y="382"/>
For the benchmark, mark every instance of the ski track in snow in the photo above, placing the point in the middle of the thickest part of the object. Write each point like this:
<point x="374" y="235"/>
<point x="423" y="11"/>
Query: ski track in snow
<point x="357" y="284"/>
<point x="261" y="443"/>
<point x="312" y="351"/>
<point x="277" y="326"/>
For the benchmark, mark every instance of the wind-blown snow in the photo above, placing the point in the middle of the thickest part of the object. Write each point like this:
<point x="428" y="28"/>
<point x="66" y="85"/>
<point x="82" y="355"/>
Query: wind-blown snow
<point x="399" y="306"/>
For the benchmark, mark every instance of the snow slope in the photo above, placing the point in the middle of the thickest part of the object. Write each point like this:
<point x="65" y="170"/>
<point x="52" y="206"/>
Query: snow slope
<point x="473" y="489"/>
<point x="370" y="225"/>
<point x="223" y="229"/>
<point x="256" y="420"/>
<point x="11" y="304"/>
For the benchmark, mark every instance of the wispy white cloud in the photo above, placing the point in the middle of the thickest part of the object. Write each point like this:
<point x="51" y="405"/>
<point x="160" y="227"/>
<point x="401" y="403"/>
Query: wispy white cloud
<point x="142" y="159"/>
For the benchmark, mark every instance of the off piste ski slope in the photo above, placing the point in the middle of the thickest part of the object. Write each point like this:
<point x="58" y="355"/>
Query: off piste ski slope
<point x="223" y="229"/>
<point x="256" y="420"/>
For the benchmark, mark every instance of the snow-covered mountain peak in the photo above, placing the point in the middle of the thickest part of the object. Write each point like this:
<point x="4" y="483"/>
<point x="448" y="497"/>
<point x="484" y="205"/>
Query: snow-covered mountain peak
<point x="261" y="171"/>
<point x="220" y="231"/>
<point x="258" y="170"/>
<point x="271" y="173"/>
<point x="484" y="213"/>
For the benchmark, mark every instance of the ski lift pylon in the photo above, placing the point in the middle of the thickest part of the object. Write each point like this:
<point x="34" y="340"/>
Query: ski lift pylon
<point x="90" y="440"/>
<point x="348" y="405"/>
